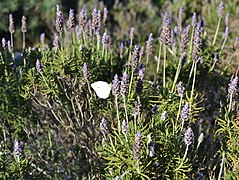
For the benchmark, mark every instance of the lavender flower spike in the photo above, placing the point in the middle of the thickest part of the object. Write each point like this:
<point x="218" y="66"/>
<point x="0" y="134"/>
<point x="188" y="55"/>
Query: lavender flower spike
<point x="137" y="145"/>
<point x="235" y="45"/>
<point x="180" y="89"/>
<point x="71" y="20"/>
<point x="185" y="112"/>
<point x="105" y="15"/>
<point x="132" y="33"/>
<point x="17" y="148"/>
<point x="85" y="70"/>
<point x="227" y="20"/>
<point x="149" y="44"/>
<point x="38" y="65"/>
<point x="233" y="86"/>
<point x="125" y="127"/>
<point x="124" y="84"/>
<point x="220" y="11"/>
<point x="24" y="24"/>
<point x="11" y="24"/>
<point x="151" y="148"/>
<point x="59" y="23"/>
<point x="194" y="20"/>
<point x="188" y="136"/>
<point x="116" y="86"/>
<point x="155" y="109"/>
<point x="103" y="126"/>
<point x="135" y="57"/>
<point x="56" y="42"/>
<point x="165" y="36"/>
<point x="96" y="18"/>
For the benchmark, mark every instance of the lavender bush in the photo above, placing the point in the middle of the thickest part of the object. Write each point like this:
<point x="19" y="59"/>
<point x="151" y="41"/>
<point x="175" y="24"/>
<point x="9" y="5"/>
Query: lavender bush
<point x="176" y="118"/>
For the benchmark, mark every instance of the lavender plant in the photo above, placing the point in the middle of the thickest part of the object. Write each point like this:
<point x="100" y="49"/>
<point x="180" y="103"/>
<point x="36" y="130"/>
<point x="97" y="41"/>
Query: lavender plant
<point x="134" y="133"/>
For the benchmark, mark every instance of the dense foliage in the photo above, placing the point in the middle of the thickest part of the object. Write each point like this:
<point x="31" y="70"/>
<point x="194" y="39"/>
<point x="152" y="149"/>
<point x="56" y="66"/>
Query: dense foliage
<point x="88" y="106"/>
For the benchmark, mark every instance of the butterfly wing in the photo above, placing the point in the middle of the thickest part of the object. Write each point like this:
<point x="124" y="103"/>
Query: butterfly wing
<point x="102" y="89"/>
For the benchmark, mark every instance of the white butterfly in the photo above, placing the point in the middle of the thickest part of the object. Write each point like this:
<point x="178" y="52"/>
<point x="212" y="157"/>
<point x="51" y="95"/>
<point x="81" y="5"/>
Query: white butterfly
<point x="102" y="89"/>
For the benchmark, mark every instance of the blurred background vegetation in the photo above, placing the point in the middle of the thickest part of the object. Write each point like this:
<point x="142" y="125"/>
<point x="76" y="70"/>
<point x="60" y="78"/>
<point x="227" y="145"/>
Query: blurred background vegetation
<point x="143" y="15"/>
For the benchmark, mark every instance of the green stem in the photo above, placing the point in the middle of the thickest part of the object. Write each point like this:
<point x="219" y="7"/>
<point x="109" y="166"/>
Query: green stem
<point x="131" y="81"/>
<point x="194" y="79"/>
<point x="176" y="75"/>
<point x="191" y="72"/>
<point x="179" y="110"/>
<point x="218" y="25"/>
<point x="129" y="57"/>
<point x="222" y="164"/>
<point x="23" y="40"/>
<point x="125" y="109"/>
<point x="224" y="42"/>
<point x="117" y="111"/>
<point x="230" y="103"/>
<point x="160" y="49"/>
<point x="164" y="65"/>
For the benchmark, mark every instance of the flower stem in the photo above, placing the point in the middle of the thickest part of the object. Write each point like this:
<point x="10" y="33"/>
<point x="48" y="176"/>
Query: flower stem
<point x="194" y="79"/>
<point x="176" y="75"/>
<point x="117" y="111"/>
<point x="164" y="65"/>
<point x="222" y="164"/>
<point x="218" y="25"/>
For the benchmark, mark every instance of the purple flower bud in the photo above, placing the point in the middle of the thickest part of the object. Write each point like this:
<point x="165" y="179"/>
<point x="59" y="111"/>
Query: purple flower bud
<point x="188" y="136"/>
<point x="71" y="20"/>
<point x="11" y="27"/>
<point x="184" y="40"/>
<point x="18" y="147"/>
<point x="151" y="148"/>
<point x="155" y="109"/>
<point x="56" y="42"/>
<point x="165" y="36"/>
<point x="105" y="15"/>
<point x="180" y="89"/>
<point x="124" y="85"/>
<point x="185" y="112"/>
<point x="103" y="126"/>
<point x="125" y="127"/>
<point x="96" y="18"/>
<point x="220" y="10"/>
<point x="38" y="65"/>
<point x="232" y="86"/>
<point x="24" y="24"/>
<point x="149" y="44"/>
<point x="116" y="86"/>
<point x="132" y="33"/>
<point x="121" y="49"/>
<point x="104" y="38"/>
<point x="85" y="70"/>
<point x="59" y="23"/>
<point x="135" y="57"/>
<point x="137" y="145"/>
<point x="181" y="15"/>
<point x="194" y="20"/>
<point x="227" y="20"/>
<point x="136" y="110"/>
<point x="226" y="33"/>
<point x="235" y="45"/>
